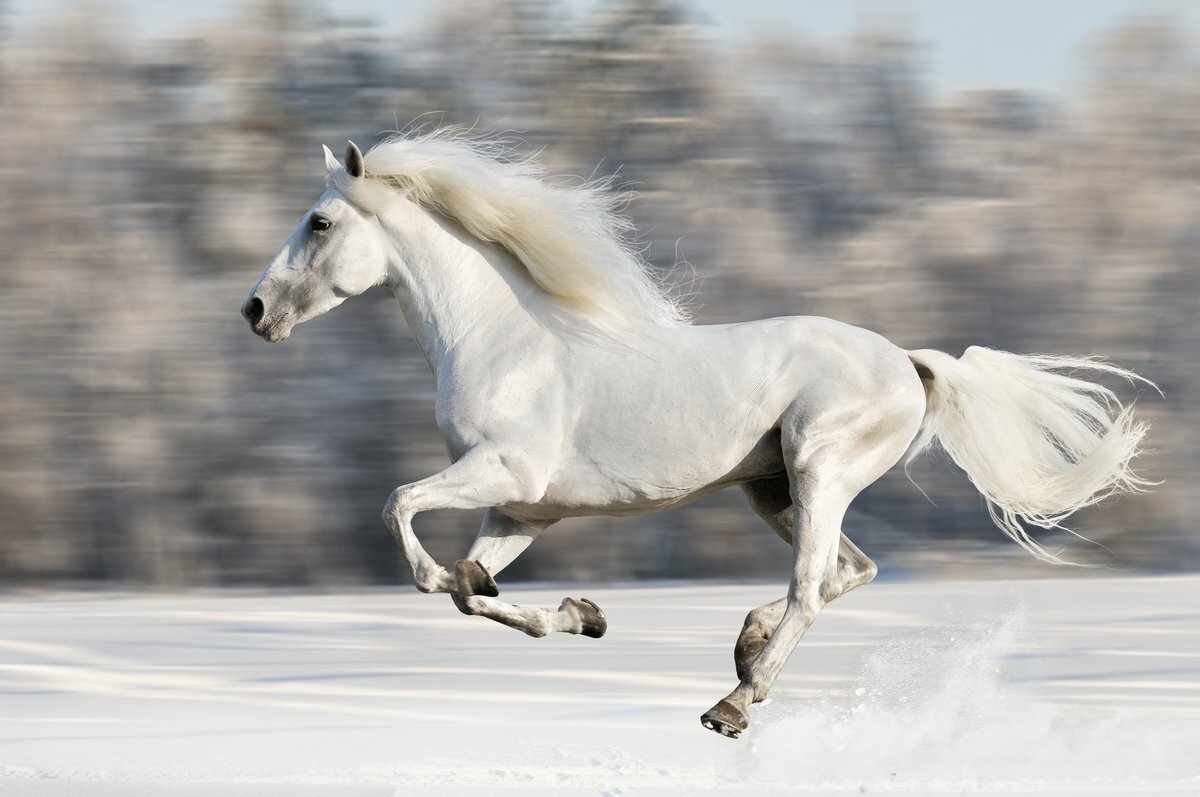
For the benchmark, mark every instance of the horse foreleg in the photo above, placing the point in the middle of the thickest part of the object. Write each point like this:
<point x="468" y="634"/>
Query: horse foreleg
<point x="572" y="616"/>
<point x="501" y="540"/>
<point x="480" y="479"/>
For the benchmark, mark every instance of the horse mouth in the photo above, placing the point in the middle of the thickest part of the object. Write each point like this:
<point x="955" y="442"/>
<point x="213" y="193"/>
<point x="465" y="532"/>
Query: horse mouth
<point x="275" y="330"/>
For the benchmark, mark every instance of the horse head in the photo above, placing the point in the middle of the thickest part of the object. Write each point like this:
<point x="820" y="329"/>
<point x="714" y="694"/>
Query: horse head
<point x="336" y="251"/>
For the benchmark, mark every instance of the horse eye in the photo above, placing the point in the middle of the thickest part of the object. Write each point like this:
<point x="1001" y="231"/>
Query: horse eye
<point x="319" y="223"/>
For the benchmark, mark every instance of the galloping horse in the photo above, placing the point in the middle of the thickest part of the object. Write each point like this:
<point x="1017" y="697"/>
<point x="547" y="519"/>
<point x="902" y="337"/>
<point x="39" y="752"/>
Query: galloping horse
<point x="570" y="383"/>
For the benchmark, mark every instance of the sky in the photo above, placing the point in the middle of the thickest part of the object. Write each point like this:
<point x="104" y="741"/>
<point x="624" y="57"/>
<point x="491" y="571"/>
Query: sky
<point x="969" y="43"/>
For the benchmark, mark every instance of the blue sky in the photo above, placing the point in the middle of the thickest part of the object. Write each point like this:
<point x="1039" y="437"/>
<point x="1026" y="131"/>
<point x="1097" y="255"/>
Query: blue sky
<point x="969" y="43"/>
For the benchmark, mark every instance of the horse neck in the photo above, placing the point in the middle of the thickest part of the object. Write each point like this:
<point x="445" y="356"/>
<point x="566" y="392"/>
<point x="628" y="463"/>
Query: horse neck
<point x="457" y="293"/>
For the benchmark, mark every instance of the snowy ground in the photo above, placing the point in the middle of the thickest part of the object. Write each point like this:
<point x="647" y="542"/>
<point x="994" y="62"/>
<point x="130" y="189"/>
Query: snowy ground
<point x="1068" y="687"/>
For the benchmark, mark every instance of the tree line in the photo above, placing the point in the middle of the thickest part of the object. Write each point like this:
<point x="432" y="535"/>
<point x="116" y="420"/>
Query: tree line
<point x="147" y="438"/>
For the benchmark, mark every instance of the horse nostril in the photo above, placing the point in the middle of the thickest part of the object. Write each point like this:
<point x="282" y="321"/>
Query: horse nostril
<point x="253" y="310"/>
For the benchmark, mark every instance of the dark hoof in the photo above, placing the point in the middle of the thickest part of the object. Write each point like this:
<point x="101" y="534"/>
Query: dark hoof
<point x="745" y="653"/>
<point x="726" y="719"/>
<point x="472" y="579"/>
<point x="594" y="622"/>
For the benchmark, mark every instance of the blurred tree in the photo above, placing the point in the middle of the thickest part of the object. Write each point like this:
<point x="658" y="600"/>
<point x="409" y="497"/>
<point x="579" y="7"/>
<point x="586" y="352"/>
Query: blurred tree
<point x="145" y="436"/>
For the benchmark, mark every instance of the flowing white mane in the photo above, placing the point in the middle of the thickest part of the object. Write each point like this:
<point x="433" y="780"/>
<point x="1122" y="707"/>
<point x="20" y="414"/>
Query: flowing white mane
<point x="571" y="239"/>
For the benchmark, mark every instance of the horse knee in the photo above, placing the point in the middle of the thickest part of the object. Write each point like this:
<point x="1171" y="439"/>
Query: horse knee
<point x="398" y="507"/>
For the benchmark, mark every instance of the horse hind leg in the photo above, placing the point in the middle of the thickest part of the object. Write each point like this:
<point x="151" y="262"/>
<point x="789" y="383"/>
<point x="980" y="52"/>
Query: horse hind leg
<point x="855" y="569"/>
<point x="501" y="540"/>
<point x="829" y="460"/>
<point x="771" y="500"/>
<point x="815" y="555"/>
<point x="760" y="624"/>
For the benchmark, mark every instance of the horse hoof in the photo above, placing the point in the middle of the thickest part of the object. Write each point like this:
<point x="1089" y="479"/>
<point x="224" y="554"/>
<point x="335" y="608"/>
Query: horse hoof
<point x="593" y="619"/>
<point x="471" y="578"/>
<point x="726" y="719"/>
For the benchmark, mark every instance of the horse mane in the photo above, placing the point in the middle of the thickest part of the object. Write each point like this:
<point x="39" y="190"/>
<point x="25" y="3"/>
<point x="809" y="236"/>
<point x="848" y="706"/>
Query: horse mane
<point x="571" y="238"/>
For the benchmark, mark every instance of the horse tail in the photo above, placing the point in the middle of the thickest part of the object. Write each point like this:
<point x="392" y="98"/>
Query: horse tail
<point x="1037" y="441"/>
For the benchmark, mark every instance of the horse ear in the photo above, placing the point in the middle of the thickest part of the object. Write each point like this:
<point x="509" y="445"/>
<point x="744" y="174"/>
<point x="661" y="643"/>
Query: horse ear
<point x="330" y="162"/>
<point x="355" y="166"/>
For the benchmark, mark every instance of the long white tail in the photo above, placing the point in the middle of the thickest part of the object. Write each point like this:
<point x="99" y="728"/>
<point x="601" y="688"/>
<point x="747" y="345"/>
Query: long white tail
<point x="1037" y="442"/>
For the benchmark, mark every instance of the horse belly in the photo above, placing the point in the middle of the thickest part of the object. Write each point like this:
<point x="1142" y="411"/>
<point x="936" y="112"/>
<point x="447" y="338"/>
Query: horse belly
<point x="647" y="479"/>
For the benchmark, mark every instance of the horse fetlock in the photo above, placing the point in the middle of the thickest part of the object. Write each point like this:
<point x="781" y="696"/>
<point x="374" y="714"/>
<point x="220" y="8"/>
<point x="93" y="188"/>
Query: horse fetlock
<point x="467" y="604"/>
<point x="749" y="645"/>
<point x="538" y="629"/>
<point x="754" y="687"/>
<point x="433" y="579"/>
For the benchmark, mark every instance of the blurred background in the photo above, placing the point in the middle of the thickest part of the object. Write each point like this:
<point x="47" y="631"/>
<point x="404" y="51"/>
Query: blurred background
<point x="879" y="168"/>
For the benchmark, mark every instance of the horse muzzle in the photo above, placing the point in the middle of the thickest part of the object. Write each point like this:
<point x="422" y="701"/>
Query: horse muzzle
<point x="270" y="330"/>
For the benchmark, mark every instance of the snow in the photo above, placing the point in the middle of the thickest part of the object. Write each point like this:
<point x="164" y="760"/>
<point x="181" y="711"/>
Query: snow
<point x="1078" y="686"/>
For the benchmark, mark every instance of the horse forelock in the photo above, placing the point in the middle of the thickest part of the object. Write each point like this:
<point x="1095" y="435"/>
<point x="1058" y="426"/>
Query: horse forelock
<point x="572" y="239"/>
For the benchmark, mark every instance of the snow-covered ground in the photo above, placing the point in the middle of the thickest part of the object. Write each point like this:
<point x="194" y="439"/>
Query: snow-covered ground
<point x="1078" y="686"/>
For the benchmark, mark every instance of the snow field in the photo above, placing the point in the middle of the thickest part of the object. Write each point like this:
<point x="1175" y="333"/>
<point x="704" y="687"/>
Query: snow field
<point x="1083" y="686"/>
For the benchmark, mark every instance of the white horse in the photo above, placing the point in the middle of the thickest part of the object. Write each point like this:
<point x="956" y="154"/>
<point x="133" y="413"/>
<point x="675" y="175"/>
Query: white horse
<point x="569" y="383"/>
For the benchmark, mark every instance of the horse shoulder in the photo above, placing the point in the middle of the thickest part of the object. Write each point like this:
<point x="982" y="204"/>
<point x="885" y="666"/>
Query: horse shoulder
<point x="507" y="399"/>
